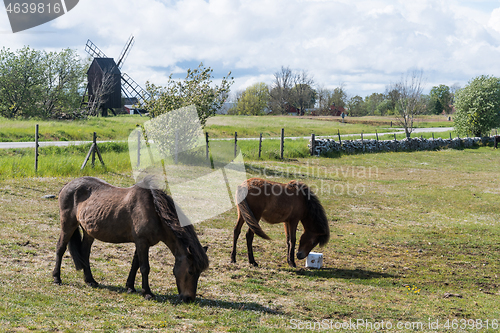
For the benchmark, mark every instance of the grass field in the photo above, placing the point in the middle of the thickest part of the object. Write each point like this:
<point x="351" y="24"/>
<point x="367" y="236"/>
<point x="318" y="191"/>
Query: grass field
<point x="414" y="239"/>
<point x="118" y="128"/>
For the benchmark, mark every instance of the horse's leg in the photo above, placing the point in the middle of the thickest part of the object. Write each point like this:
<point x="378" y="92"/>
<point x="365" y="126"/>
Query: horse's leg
<point x="67" y="231"/>
<point x="251" y="259"/>
<point x="62" y="244"/>
<point x="87" y="242"/>
<point x="291" y="231"/>
<point x="133" y="272"/>
<point x="143" y="256"/>
<point x="236" y="234"/>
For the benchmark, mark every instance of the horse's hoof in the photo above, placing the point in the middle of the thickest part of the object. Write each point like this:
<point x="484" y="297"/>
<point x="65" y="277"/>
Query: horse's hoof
<point x="130" y="290"/>
<point x="58" y="282"/>
<point x="149" y="297"/>
<point x="254" y="264"/>
<point x="92" y="284"/>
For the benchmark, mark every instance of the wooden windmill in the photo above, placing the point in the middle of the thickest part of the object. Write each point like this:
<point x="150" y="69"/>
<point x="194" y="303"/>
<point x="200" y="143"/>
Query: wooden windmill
<point x="106" y="82"/>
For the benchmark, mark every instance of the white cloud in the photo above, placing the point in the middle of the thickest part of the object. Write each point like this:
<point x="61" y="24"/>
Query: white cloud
<point x="363" y="44"/>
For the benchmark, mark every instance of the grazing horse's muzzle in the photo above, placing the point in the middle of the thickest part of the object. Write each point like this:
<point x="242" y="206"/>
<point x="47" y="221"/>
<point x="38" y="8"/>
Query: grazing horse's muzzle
<point x="301" y="255"/>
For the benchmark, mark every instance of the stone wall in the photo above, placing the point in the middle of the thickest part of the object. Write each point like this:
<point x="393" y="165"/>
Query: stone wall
<point x="323" y="146"/>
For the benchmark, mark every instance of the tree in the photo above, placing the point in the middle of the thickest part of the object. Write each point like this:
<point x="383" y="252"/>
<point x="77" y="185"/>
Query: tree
<point x="408" y="101"/>
<point x="101" y="92"/>
<point x="323" y="96"/>
<point x="338" y="97"/>
<point x="440" y="99"/>
<point x="372" y="102"/>
<point x="196" y="89"/>
<point x="39" y="84"/>
<point x="355" y="106"/>
<point x="478" y="106"/>
<point x="302" y="95"/>
<point x="280" y="96"/>
<point x="253" y="101"/>
<point x="21" y="79"/>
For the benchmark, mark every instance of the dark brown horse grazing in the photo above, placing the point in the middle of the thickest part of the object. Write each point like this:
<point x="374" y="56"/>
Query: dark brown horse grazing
<point x="137" y="215"/>
<point x="274" y="203"/>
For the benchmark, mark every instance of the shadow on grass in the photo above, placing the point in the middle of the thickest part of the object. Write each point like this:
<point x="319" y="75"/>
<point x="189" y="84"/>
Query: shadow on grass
<point x="202" y="302"/>
<point x="342" y="273"/>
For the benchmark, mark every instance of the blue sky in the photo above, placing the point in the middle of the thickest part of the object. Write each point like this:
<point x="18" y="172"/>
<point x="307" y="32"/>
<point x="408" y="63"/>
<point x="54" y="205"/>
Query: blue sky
<point x="362" y="45"/>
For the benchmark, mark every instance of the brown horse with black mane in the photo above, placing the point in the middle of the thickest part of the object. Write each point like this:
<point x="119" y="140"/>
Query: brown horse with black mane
<point x="137" y="214"/>
<point x="274" y="203"/>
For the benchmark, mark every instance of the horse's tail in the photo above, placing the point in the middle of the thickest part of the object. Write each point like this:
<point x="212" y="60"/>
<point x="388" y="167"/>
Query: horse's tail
<point x="247" y="213"/>
<point x="75" y="249"/>
<point x="316" y="213"/>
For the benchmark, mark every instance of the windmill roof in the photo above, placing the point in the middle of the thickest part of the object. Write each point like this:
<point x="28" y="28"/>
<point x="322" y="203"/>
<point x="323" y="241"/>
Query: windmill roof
<point x="107" y="65"/>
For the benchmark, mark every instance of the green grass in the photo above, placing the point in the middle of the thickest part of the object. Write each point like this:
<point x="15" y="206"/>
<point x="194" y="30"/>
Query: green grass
<point x="406" y="229"/>
<point x="270" y="126"/>
<point x="111" y="128"/>
<point x="119" y="128"/>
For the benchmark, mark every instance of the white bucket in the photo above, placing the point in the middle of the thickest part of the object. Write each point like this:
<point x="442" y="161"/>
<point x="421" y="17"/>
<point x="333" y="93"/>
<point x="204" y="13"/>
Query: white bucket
<point x="314" y="260"/>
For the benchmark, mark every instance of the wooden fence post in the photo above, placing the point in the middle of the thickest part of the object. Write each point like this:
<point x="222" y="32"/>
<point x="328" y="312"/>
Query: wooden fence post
<point x="260" y="144"/>
<point x="340" y="140"/>
<point x="376" y="134"/>
<point x="313" y="144"/>
<point x="282" y="146"/>
<point x="36" y="148"/>
<point x="93" y="150"/>
<point x="206" y="140"/>
<point x="94" y="142"/>
<point x="235" y="143"/>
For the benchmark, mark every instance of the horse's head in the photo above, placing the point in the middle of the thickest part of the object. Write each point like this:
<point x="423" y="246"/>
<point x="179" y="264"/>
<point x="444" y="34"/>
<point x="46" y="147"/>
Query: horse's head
<point x="308" y="241"/>
<point x="187" y="273"/>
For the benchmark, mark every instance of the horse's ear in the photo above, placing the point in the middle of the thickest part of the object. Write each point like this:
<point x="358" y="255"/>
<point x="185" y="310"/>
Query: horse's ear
<point x="205" y="248"/>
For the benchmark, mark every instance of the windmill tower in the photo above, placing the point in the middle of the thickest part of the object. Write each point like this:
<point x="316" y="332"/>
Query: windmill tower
<point x="106" y="82"/>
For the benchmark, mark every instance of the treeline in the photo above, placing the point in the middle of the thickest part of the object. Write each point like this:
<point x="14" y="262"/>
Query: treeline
<point x="294" y="92"/>
<point x="40" y="84"/>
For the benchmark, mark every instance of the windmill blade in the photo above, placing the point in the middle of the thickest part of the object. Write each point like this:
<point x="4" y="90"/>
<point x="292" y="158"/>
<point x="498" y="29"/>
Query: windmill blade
<point x="132" y="89"/>
<point x="93" y="50"/>
<point x="125" y="52"/>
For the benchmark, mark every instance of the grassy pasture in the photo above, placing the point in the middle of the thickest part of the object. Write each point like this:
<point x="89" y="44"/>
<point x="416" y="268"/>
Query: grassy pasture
<point x="407" y="230"/>
<point x="119" y="128"/>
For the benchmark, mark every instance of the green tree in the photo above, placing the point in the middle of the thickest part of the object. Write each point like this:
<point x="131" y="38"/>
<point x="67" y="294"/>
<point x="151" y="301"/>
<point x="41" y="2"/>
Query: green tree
<point x="355" y="106"/>
<point x="196" y="89"/>
<point x="478" y="106"/>
<point x="21" y="79"/>
<point x="372" y="102"/>
<point x="440" y="99"/>
<point x="253" y="101"/>
<point x="338" y="97"/>
<point x="39" y="84"/>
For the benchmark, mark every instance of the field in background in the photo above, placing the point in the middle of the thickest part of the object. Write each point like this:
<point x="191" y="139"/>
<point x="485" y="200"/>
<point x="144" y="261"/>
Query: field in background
<point x="119" y="128"/>
<point x="414" y="239"/>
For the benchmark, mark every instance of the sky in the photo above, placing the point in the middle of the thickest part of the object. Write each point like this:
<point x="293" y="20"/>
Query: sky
<point x="361" y="45"/>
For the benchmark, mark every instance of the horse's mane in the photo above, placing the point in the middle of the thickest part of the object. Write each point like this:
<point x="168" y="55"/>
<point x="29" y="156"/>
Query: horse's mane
<point x="165" y="207"/>
<point x="315" y="212"/>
